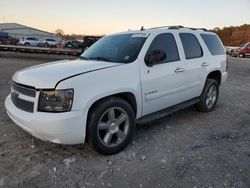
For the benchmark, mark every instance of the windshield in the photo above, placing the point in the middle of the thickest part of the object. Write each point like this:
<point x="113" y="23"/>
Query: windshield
<point x="122" y="48"/>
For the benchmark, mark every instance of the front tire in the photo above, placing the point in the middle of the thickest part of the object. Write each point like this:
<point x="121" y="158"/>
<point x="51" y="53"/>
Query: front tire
<point x="111" y="125"/>
<point x="209" y="96"/>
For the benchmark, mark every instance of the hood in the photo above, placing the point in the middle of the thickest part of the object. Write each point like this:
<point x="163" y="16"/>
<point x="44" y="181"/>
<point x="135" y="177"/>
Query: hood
<point x="47" y="75"/>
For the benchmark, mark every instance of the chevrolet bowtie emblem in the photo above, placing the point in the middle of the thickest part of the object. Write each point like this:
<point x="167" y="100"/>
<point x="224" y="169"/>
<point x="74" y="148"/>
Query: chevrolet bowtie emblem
<point x="15" y="94"/>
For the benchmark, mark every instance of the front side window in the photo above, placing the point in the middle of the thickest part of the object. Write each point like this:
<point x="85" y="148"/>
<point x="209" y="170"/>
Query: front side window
<point x="191" y="46"/>
<point x="165" y="42"/>
<point x="123" y="48"/>
<point x="213" y="44"/>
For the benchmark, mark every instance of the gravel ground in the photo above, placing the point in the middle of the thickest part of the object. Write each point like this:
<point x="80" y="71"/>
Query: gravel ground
<point x="185" y="149"/>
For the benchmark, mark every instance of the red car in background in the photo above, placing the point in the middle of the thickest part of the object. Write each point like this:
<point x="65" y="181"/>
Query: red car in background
<point x="243" y="51"/>
<point x="8" y="40"/>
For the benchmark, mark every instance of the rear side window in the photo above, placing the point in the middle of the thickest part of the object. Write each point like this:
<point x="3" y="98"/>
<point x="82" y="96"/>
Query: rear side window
<point x="191" y="46"/>
<point x="52" y="40"/>
<point x="213" y="44"/>
<point x="165" y="42"/>
<point x="31" y="38"/>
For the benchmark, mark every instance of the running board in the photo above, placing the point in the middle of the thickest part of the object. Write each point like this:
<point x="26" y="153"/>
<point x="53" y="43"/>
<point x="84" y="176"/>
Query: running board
<point x="166" y="111"/>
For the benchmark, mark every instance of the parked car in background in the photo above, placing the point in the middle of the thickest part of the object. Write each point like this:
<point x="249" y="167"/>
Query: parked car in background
<point x="6" y="39"/>
<point x="30" y="41"/>
<point x="48" y="42"/>
<point x="242" y="51"/>
<point x="90" y="40"/>
<point x="230" y="49"/>
<point x="74" y="44"/>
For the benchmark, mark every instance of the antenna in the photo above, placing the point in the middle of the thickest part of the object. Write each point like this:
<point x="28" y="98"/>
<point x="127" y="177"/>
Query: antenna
<point x="142" y="28"/>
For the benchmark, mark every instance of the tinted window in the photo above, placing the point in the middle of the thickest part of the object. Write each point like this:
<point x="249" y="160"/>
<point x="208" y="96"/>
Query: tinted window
<point x="31" y="38"/>
<point x="165" y="42"/>
<point x="213" y="44"/>
<point x="191" y="46"/>
<point x="123" y="48"/>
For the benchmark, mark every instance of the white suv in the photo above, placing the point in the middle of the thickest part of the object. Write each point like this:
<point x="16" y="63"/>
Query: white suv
<point x="122" y="79"/>
<point x="48" y="43"/>
<point x="29" y="41"/>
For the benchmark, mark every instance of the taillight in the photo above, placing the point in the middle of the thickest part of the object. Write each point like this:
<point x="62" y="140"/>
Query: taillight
<point x="226" y="63"/>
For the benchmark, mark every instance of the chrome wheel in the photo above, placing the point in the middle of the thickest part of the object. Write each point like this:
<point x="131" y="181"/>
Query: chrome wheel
<point x="211" y="97"/>
<point x="113" y="126"/>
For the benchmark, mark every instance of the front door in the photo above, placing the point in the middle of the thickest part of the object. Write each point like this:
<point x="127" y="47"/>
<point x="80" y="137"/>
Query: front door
<point x="163" y="83"/>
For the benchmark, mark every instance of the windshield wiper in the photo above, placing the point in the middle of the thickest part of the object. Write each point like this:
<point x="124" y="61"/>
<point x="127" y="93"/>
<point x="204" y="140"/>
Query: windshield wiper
<point x="84" y="58"/>
<point x="99" y="58"/>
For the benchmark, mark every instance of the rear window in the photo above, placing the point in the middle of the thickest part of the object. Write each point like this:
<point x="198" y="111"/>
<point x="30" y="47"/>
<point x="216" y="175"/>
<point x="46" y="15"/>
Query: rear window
<point x="191" y="46"/>
<point x="213" y="44"/>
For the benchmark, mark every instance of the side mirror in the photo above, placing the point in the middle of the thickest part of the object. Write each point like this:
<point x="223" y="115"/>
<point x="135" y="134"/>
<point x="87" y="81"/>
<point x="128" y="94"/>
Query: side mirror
<point x="155" y="56"/>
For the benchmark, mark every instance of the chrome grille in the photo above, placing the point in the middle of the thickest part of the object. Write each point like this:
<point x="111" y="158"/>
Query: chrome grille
<point x="23" y="89"/>
<point x="20" y="103"/>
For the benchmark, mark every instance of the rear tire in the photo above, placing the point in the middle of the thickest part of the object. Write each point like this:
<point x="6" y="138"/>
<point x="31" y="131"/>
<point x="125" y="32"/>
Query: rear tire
<point x="209" y="96"/>
<point x="111" y="125"/>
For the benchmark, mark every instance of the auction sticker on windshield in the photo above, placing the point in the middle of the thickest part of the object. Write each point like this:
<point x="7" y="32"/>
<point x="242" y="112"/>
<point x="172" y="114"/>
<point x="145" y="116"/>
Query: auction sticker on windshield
<point x="140" y="35"/>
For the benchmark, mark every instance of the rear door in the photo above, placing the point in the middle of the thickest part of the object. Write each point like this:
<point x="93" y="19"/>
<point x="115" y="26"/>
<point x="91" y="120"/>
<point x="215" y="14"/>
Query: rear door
<point x="163" y="84"/>
<point x="195" y="64"/>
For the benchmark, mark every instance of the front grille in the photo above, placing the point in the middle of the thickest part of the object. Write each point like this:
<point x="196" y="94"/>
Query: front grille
<point x="23" y="89"/>
<point x="22" y="104"/>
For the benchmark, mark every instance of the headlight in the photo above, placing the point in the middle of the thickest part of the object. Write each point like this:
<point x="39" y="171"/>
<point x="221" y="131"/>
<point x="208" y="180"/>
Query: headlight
<point x="55" y="100"/>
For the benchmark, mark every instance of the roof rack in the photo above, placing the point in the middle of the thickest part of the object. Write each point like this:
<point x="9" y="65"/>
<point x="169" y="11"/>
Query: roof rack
<point x="179" y="27"/>
<point x="171" y="27"/>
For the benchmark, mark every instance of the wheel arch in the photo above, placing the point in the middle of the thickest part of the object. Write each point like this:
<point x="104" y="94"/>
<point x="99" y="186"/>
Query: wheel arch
<point x="127" y="96"/>
<point x="215" y="75"/>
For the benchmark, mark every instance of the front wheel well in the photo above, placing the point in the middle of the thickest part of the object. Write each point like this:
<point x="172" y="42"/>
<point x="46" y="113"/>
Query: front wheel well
<point x="127" y="96"/>
<point x="215" y="75"/>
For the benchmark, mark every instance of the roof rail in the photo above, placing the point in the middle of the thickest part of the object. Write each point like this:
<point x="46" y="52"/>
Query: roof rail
<point x="179" y="27"/>
<point x="204" y="29"/>
<point x="173" y="26"/>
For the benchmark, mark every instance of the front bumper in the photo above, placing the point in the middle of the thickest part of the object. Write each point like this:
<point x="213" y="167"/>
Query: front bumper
<point x="224" y="77"/>
<point x="61" y="128"/>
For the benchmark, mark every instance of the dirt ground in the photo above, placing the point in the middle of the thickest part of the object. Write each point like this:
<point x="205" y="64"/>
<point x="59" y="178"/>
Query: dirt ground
<point x="185" y="149"/>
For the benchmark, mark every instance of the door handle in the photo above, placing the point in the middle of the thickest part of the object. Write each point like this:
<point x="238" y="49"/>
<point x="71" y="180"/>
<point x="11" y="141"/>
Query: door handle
<point x="204" y="64"/>
<point x="179" y="69"/>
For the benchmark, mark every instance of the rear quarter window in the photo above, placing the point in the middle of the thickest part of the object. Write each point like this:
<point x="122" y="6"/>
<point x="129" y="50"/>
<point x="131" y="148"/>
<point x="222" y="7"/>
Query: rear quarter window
<point x="213" y="44"/>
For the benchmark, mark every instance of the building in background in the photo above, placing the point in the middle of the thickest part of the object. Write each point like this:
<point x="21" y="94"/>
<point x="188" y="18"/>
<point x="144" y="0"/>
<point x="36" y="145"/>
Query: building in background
<point x="19" y="31"/>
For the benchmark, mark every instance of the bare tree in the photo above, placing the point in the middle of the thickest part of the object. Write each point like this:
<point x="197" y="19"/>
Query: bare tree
<point x="59" y="32"/>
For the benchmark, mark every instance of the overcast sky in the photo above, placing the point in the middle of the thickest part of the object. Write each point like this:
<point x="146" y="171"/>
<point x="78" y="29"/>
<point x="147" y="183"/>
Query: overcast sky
<point x="108" y="16"/>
